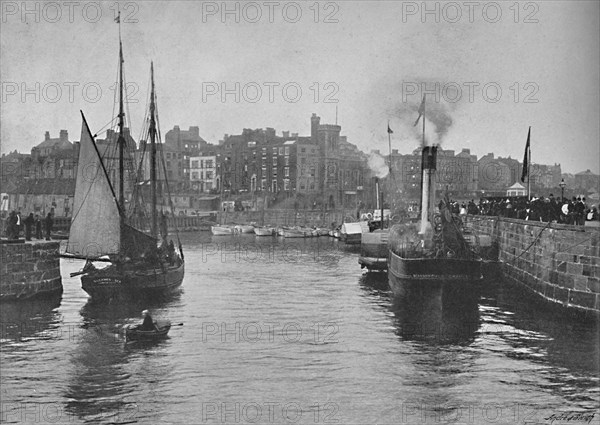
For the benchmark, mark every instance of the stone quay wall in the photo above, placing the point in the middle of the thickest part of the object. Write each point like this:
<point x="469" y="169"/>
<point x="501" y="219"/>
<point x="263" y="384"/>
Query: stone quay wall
<point x="29" y="270"/>
<point x="559" y="263"/>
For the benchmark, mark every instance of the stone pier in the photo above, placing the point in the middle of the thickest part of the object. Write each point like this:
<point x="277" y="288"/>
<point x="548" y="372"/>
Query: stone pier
<point x="558" y="263"/>
<point x="29" y="270"/>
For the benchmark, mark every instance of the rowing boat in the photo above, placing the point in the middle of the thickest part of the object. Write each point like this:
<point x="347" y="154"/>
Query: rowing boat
<point x="135" y="333"/>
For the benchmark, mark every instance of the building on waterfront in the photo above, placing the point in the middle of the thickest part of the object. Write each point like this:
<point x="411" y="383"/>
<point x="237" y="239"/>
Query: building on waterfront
<point x="181" y="146"/>
<point x="203" y="173"/>
<point x="495" y="176"/>
<point x="587" y="180"/>
<point x="40" y="197"/>
<point x="516" y="189"/>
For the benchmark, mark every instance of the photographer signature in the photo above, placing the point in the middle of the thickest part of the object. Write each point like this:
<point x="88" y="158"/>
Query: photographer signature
<point x="571" y="417"/>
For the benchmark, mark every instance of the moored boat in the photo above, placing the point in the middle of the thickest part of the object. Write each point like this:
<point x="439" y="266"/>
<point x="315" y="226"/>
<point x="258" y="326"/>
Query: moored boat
<point x="264" y="231"/>
<point x="221" y="230"/>
<point x="294" y="233"/>
<point x="437" y="251"/>
<point x="244" y="228"/>
<point x="374" y="250"/>
<point x="351" y="233"/>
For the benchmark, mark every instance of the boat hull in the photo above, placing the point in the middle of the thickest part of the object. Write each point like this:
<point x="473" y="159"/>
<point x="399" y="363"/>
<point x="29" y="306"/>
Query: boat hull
<point x="134" y="333"/>
<point x="293" y="234"/>
<point x="406" y="273"/>
<point x="351" y="238"/>
<point x="263" y="231"/>
<point x="221" y="231"/>
<point x="112" y="283"/>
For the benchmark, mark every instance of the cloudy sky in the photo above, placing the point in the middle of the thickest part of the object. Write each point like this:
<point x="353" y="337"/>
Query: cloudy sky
<point x="490" y="69"/>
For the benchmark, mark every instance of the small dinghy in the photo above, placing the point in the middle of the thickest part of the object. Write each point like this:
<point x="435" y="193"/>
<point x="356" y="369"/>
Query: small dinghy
<point x="136" y="333"/>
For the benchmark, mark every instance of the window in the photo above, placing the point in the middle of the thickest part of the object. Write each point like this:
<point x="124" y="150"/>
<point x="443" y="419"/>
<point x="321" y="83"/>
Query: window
<point x="195" y="175"/>
<point x="209" y="175"/>
<point x="287" y="150"/>
<point x="312" y="186"/>
<point x="274" y="186"/>
<point x="302" y="160"/>
<point x="303" y="150"/>
<point x="286" y="184"/>
<point x="194" y="164"/>
<point x="281" y="150"/>
<point x="208" y="163"/>
<point x="274" y="151"/>
<point x="286" y="171"/>
<point x="168" y="155"/>
<point x="287" y="161"/>
<point x="251" y="144"/>
<point x="263" y="184"/>
<point x="274" y="161"/>
<point x="312" y="171"/>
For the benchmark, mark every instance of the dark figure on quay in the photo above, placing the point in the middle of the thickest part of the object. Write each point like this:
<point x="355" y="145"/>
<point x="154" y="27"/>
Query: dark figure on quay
<point x="12" y="228"/>
<point x="29" y="222"/>
<point x="38" y="227"/>
<point x="49" y="224"/>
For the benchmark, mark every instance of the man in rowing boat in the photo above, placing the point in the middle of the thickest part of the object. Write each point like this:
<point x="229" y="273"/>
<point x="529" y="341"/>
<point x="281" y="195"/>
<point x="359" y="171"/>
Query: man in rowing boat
<point x="148" y="324"/>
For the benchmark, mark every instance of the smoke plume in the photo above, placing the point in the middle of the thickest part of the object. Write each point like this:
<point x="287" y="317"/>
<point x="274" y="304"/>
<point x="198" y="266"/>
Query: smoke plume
<point x="377" y="164"/>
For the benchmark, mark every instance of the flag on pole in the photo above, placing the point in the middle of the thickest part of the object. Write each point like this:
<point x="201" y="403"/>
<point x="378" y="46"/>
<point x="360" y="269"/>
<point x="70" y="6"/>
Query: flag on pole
<point x="526" y="158"/>
<point x="389" y="129"/>
<point x="421" y="111"/>
<point x="118" y="18"/>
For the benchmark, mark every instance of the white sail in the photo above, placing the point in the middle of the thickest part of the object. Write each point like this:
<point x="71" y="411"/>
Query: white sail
<point x="95" y="227"/>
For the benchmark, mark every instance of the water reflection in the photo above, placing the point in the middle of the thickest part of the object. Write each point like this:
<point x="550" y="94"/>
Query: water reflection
<point x="37" y="318"/>
<point x="103" y="382"/>
<point x="437" y="313"/>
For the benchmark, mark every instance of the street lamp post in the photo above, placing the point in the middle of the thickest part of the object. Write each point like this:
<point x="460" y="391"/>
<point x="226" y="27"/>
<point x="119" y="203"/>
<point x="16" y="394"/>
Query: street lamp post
<point x="562" y="185"/>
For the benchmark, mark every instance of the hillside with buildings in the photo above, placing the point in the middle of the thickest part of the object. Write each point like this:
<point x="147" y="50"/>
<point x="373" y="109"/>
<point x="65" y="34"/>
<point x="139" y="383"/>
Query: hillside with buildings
<point x="259" y="168"/>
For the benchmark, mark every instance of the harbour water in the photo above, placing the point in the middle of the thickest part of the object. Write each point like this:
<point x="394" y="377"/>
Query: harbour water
<point x="292" y="331"/>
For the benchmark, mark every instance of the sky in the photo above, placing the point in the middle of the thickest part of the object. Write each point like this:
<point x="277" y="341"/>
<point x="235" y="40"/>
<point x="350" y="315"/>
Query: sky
<point x="489" y="70"/>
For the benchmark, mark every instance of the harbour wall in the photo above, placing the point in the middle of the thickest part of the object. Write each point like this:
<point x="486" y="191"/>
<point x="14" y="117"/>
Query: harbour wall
<point x="29" y="270"/>
<point x="558" y="263"/>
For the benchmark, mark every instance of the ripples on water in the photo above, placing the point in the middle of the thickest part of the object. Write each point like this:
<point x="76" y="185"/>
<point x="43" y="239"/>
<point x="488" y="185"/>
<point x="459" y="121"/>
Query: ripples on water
<point x="293" y="332"/>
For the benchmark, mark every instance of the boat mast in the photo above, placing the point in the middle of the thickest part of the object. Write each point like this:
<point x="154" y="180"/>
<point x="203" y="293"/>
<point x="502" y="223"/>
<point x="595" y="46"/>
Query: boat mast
<point x="121" y="140"/>
<point x="153" y="151"/>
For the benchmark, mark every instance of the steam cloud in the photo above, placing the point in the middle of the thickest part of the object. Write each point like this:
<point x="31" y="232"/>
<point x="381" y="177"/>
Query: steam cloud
<point x="377" y="165"/>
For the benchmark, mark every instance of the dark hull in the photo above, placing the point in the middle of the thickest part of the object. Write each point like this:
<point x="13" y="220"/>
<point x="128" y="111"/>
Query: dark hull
<point x="131" y="281"/>
<point x="373" y="263"/>
<point x="407" y="273"/>
<point x="351" y="239"/>
<point x="136" y="334"/>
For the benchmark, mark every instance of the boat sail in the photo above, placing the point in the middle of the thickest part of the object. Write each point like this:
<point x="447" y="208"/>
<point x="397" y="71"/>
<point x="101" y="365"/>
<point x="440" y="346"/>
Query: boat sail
<point x="101" y="230"/>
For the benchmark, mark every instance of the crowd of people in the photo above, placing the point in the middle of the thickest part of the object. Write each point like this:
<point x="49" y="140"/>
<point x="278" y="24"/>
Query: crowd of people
<point x="575" y="211"/>
<point x="31" y="225"/>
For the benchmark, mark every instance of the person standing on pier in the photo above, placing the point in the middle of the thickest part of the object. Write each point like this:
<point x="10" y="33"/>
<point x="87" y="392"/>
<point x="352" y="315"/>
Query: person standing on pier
<point x="29" y="222"/>
<point x="18" y="226"/>
<point x="49" y="224"/>
<point x="38" y="227"/>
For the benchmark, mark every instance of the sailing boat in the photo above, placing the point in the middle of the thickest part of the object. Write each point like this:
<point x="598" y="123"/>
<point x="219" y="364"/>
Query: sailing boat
<point x="102" y="231"/>
<point x="438" y="251"/>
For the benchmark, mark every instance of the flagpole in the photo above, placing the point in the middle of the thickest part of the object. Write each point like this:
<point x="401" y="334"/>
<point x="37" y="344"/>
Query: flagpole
<point x="529" y="169"/>
<point x="423" y="120"/>
<point x="390" y="146"/>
